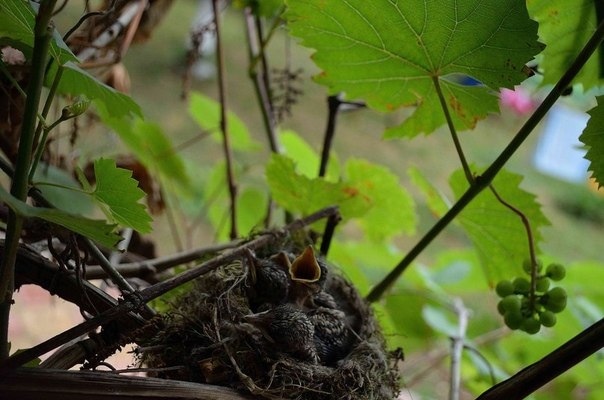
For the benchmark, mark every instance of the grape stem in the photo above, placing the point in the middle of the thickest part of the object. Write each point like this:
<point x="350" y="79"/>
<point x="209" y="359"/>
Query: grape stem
<point x="531" y="245"/>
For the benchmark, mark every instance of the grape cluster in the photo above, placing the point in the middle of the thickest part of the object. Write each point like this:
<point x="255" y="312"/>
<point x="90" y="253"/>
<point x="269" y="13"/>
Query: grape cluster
<point x="516" y="307"/>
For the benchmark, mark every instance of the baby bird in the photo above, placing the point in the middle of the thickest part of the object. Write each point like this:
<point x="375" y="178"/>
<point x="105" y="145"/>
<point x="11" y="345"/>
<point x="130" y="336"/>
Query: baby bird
<point x="307" y="276"/>
<point x="289" y="329"/>
<point x="270" y="281"/>
<point x="331" y="336"/>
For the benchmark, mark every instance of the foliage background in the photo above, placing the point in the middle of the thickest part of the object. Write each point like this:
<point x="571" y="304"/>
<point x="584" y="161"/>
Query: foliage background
<point x="416" y="315"/>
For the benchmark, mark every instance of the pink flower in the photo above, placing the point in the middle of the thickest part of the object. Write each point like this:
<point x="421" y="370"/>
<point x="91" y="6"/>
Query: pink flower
<point x="517" y="100"/>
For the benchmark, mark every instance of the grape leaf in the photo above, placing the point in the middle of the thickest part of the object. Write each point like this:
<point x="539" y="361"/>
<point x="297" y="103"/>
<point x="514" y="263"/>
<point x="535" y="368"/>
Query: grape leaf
<point x="593" y="138"/>
<point x="306" y="158"/>
<point x="368" y="193"/>
<point x="298" y="193"/>
<point x="75" y="81"/>
<point x="252" y="203"/>
<point x="206" y="113"/>
<point x="119" y="192"/>
<point x="565" y="26"/>
<point x="498" y="233"/>
<point x="17" y="21"/>
<point x="392" y="208"/>
<point x="97" y="230"/>
<point x="62" y="190"/>
<point x="391" y="54"/>
<point x="152" y="148"/>
<point x="434" y="199"/>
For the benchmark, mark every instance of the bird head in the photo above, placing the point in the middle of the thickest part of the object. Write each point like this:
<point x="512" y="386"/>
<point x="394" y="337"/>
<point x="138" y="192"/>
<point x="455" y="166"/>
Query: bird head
<point x="307" y="277"/>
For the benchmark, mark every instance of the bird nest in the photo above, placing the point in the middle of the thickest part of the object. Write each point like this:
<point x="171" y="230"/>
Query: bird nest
<point x="278" y="325"/>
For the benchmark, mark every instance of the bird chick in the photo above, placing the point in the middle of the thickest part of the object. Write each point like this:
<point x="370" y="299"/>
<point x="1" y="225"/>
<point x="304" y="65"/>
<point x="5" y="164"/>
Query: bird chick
<point x="307" y="276"/>
<point x="270" y="281"/>
<point x="332" y="335"/>
<point x="289" y="329"/>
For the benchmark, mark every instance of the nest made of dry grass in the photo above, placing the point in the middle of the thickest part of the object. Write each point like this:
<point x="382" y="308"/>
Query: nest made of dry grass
<point x="204" y="339"/>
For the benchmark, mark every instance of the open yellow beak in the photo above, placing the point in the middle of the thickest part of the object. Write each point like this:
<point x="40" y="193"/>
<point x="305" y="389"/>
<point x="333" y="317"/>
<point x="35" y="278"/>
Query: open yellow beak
<point x="305" y="267"/>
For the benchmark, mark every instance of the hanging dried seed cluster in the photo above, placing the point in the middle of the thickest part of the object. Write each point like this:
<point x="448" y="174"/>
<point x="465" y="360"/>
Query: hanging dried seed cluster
<point x="279" y="325"/>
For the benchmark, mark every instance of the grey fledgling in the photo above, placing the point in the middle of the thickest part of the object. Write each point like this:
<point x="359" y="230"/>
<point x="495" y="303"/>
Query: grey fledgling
<point x="332" y="335"/>
<point x="289" y="329"/>
<point x="271" y="283"/>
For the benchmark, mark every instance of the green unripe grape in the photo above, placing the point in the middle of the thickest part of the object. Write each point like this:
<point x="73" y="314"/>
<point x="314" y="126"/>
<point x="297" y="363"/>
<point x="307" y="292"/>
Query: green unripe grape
<point x="542" y="284"/>
<point x="530" y="325"/>
<point x="510" y="303"/>
<point x="504" y="288"/>
<point x="527" y="266"/>
<point x="555" y="272"/>
<point x="547" y="319"/>
<point x="513" y="319"/>
<point x="555" y="299"/>
<point x="500" y="308"/>
<point x="521" y="285"/>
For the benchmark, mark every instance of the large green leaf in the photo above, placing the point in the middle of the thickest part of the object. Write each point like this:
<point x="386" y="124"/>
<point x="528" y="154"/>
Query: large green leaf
<point x="392" y="209"/>
<point x="153" y="149"/>
<point x="565" y="26"/>
<point x="96" y="230"/>
<point x="75" y="81"/>
<point x="593" y="138"/>
<point x="369" y="193"/>
<point x="252" y="203"/>
<point x="298" y="193"/>
<point x="119" y="192"/>
<point x="206" y="113"/>
<point x="498" y="233"/>
<point x="306" y="158"/>
<point x="435" y="200"/>
<point x="62" y="190"/>
<point x="391" y="53"/>
<point x="17" y="21"/>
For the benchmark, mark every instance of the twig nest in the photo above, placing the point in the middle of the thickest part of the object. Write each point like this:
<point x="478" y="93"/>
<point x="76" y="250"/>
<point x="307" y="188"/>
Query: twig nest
<point x="279" y="326"/>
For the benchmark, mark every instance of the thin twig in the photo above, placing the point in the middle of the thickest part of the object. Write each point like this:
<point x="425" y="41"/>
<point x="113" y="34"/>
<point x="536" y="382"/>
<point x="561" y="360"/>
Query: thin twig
<point x="226" y="141"/>
<point x="260" y="87"/>
<point x="155" y="266"/>
<point x="333" y="106"/>
<point x="330" y="227"/>
<point x="87" y="16"/>
<point x="483" y="181"/>
<point x="457" y="346"/>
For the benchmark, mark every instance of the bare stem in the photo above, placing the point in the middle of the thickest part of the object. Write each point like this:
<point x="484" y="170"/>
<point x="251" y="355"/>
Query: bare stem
<point x="531" y="243"/>
<point x="256" y="53"/>
<point x="226" y="141"/>
<point x="457" y="346"/>
<point x="452" y="130"/>
<point x="483" y="181"/>
<point x="333" y="107"/>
